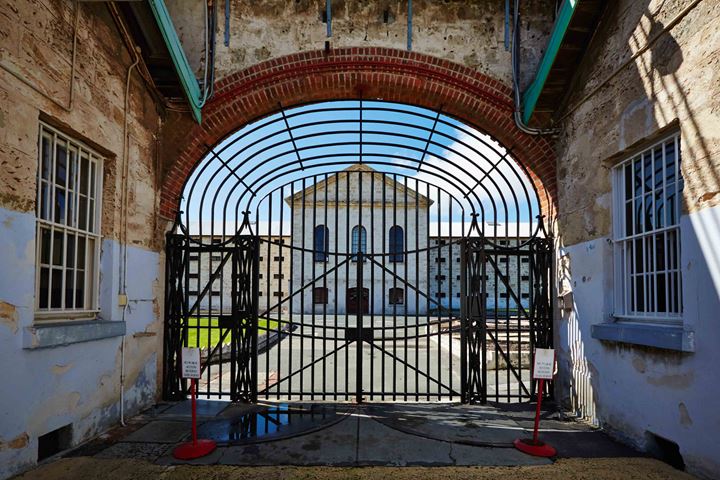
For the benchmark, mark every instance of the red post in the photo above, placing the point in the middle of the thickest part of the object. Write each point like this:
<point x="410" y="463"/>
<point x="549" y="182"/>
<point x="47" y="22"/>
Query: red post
<point x="534" y="446"/>
<point x="194" y="415"/>
<point x="541" y="386"/>
<point x="196" y="448"/>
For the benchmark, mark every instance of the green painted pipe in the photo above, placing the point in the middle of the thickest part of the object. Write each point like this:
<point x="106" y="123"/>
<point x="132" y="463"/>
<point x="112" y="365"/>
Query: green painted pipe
<point x="177" y="54"/>
<point x="531" y="95"/>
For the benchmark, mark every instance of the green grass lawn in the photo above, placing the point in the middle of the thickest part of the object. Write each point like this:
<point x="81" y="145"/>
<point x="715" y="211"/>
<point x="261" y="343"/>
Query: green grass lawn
<point x="215" y="332"/>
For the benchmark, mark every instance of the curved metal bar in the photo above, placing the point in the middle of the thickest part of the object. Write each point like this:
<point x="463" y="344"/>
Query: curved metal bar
<point x="302" y="111"/>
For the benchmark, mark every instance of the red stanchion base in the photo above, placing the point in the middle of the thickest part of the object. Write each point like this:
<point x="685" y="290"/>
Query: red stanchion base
<point x="190" y="450"/>
<point x="537" y="449"/>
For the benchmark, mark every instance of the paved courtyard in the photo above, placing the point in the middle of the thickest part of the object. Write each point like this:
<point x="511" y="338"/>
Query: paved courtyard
<point x="330" y="441"/>
<point x="407" y="360"/>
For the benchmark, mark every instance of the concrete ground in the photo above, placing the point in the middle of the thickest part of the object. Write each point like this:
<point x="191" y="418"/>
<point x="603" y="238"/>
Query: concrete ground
<point x="328" y="441"/>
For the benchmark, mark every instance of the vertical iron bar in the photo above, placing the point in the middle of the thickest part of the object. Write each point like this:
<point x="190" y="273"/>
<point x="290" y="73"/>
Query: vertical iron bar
<point x="303" y="256"/>
<point x="268" y="242"/>
<point x="463" y="321"/>
<point x="429" y="292"/>
<point x="295" y="253"/>
<point x="348" y="249"/>
<point x="372" y="281"/>
<point x="336" y="253"/>
<point x="451" y="255"/>
<point x="405" y="312"/>
<point x="384" y="283"/>
<point x="439" y="301"/>
<point x="326" y="248"/>
<point x="394" y="222"/>
<point x="482" y="326"/>
<point x="235" y="320"/>
<point x="417" y="281"/>
<point x="254" y="322"/>
<point x="360" y="300"/>
<point x="312" y="291"/>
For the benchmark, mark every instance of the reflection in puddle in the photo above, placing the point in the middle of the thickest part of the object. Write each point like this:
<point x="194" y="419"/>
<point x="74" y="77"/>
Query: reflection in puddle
<point x="270" y="422"/>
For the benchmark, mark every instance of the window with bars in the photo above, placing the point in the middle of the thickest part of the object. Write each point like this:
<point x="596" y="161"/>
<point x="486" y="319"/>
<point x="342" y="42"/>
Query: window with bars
<point x="647" y="191"/>
<point x="68" y="225"/>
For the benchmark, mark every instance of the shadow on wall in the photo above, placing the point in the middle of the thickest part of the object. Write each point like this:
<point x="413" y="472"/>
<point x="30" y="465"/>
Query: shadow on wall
<point x="668" y="84"/>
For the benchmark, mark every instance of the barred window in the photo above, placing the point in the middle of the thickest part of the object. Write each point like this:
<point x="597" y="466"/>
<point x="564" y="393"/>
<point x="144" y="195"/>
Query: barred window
<point x="68" y="225"/>
<point x="647" y="191"/>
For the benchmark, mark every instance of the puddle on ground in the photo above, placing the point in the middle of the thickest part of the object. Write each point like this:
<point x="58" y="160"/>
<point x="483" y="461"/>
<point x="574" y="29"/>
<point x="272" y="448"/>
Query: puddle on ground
<point x="270" y="422"/>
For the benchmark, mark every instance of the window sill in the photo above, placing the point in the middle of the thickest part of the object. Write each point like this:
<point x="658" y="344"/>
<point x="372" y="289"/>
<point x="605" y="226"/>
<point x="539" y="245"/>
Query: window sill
<point x="47" y="335"/>
<point x="667" y="337"/>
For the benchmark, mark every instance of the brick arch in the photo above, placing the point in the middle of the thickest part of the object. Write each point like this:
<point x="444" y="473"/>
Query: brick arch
<point x="351" y="73"/>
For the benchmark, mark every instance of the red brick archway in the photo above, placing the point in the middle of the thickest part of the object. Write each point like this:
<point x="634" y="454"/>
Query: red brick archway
<point x="351" y="73"/>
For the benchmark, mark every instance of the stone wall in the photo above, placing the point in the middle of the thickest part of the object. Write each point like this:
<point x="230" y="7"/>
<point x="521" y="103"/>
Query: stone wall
<point x="673" y="84"/>
<point x="467" y="33"/>
<point x="69" y="383"/>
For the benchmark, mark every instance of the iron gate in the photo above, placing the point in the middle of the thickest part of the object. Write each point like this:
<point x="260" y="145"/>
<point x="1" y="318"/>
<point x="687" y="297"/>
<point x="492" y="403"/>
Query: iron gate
<point x="361" y="275"/>
<point x="198" y="314"/>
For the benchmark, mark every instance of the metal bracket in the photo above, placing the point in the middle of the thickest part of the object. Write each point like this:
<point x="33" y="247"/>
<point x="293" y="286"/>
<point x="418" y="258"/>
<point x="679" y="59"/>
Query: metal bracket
<point x="364" y="334"/>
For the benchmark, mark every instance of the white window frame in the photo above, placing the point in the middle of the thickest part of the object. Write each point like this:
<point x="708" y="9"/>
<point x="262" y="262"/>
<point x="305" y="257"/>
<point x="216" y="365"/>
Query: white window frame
<point x="623" y="241"/>
<point x="91" y="271"/>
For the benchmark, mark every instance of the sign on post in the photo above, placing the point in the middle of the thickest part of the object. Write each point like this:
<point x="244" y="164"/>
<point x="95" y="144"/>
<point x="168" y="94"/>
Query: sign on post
<point x="190" y="366"/>
<point x="190" y="361"/>
<point x="544" y="365"/>
<point x="543" y="369"/>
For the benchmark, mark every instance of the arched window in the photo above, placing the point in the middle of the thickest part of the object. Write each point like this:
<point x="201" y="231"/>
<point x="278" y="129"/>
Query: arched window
<point x="321" y="242"/>
<point x="397" y="244"/>
<point x="359" y="241"/>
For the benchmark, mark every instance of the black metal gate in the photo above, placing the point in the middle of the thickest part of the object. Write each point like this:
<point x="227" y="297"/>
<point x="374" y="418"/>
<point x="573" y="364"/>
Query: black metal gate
<point x="507" y="314"/>
<point x="359" y="275"/>
<point x="198" y="314"/>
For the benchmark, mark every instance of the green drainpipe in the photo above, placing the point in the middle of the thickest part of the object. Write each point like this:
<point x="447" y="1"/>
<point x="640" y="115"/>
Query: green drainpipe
<point x="531" y="95"/>
<point x="182" y="67"/>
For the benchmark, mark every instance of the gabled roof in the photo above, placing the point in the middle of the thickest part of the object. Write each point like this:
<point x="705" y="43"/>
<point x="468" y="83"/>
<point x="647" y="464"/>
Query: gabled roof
<point x="323" y="186"/>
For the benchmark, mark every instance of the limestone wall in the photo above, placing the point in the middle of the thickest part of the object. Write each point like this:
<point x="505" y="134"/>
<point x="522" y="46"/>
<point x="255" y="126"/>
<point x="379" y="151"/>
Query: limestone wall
<point x="468" y="33"/>
<point x="75" y="384"/>
<point x="674" y="83"/>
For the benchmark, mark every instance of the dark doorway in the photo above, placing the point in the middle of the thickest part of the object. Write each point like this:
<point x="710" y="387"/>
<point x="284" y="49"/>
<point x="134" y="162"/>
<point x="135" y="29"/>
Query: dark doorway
<point x="355" y="305"/>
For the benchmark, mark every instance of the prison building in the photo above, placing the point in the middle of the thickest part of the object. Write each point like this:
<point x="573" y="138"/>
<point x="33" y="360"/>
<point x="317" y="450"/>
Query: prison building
<point x="216" y="297"/>
<point x="505" y="281"/>
<point x="359" y="222"/>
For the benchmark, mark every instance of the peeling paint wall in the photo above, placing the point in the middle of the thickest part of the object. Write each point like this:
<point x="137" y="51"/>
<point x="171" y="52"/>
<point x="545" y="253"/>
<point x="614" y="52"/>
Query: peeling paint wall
<point x="633" y="390"/>
<point x="77" y="384"/>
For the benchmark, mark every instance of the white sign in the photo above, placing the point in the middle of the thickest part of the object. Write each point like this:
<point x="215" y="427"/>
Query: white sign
<point x="544" y="365"/>
<point x="190" y="360"/>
